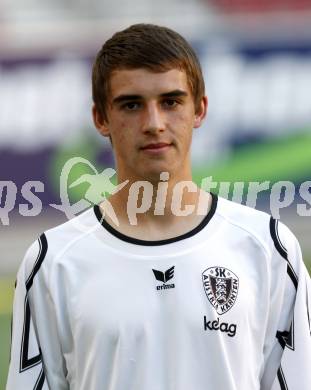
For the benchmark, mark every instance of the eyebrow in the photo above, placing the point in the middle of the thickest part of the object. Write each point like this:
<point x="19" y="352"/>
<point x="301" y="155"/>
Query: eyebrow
<point x="124" y="98"/>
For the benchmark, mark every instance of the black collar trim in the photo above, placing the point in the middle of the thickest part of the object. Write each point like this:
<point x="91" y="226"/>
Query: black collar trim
<point x="137" y="241"/>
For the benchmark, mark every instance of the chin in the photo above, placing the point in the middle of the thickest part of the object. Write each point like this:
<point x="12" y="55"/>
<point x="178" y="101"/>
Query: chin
<point x="153" y="175"/>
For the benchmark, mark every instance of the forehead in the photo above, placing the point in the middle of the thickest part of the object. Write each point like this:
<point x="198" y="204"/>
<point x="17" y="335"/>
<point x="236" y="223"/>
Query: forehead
<point x="147" y="83"/>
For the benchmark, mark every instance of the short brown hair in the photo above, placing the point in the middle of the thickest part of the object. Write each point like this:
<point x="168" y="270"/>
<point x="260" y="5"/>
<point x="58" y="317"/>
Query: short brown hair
<point x="156" y="48"/>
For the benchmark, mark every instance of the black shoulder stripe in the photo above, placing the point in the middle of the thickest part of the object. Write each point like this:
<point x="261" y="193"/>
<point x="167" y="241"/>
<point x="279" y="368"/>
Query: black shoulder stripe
<point x="282" y="250"/>
<point x="41" y="256"/>
<point x="281" y="379"/>
<point x="282" y="337"/>
<point x="287" y="338"/>
<point x="275" y="237"/>
<point x="292" y="275"/>
<point x="40" y="381"/>
<point x="27" y="362"/>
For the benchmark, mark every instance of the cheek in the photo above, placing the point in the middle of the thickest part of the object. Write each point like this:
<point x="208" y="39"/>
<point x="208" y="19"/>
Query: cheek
<point x="120" y="129"/>
<point x="124" y="138"/>
<point x="121" y="124"/>
<point x="183" y="125"/>
<point x="184" y="118"/>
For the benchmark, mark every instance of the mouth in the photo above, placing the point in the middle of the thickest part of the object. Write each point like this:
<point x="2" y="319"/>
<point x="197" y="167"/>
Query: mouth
<point x="155" y="147"/>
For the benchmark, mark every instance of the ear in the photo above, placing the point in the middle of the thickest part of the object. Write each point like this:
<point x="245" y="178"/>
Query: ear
<point x="100" y="123"/>
<point x="200" y="115"/>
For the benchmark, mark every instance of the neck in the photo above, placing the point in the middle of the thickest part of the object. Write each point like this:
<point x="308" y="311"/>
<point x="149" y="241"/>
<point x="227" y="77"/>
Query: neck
<point x="160" y="203"/>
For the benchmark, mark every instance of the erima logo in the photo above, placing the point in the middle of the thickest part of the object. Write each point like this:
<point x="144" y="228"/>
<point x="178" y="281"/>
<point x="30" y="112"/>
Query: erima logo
<point x="221" y="288"/>
<point x="164" y="277"/>
<point x="223" y="327"/>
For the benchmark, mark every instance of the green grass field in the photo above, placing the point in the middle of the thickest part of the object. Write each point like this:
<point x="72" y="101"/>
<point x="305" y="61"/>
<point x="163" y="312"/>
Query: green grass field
<point x="6" y="297"/>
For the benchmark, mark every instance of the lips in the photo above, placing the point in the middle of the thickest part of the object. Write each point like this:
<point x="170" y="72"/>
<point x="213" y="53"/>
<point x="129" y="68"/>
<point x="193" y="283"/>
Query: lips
<point x="158" y="145"/>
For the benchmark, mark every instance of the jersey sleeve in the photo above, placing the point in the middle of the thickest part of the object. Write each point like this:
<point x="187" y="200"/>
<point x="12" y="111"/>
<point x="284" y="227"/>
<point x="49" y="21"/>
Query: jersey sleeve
<point x="36" y="360"/>
<point x="287" y="365"/>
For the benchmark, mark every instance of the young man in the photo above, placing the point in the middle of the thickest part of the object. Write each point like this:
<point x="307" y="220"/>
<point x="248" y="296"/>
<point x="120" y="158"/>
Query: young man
<point x="197" y="293"/>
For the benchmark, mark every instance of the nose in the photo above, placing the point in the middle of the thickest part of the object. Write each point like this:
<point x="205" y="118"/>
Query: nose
<point x="153" y="119"/>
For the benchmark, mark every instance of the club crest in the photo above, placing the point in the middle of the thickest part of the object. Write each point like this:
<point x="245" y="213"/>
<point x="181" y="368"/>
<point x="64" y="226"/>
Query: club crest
<point x="221" y="288"/>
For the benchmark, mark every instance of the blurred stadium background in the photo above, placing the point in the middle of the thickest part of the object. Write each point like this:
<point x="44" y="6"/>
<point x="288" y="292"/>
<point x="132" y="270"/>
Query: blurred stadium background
<point x="256" y="56"/>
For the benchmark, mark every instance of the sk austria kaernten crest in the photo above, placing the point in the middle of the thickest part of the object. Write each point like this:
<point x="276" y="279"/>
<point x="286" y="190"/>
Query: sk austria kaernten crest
<point x="221" y="287"/>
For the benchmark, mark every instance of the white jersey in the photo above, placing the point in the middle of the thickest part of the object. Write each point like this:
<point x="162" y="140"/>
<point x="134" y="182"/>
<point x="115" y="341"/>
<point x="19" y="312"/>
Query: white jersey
<point x="223" y="307"/>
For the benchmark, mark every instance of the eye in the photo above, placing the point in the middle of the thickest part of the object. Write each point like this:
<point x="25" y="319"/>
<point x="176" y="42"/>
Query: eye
<point x="170" y="103"/>
<point x="130" y="106"/>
